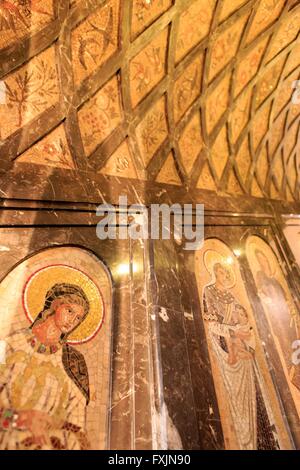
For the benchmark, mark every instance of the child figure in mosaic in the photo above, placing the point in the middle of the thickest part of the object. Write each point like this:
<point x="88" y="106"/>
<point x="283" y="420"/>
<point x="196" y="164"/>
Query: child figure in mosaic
<point x="232" y="340"/>
<point x="44" y="383"/>
<point x="241" y="341"/>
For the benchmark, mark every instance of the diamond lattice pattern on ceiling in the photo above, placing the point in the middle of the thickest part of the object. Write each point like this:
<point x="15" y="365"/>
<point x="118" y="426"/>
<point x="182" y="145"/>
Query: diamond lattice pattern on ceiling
<point x="184" y="92"/>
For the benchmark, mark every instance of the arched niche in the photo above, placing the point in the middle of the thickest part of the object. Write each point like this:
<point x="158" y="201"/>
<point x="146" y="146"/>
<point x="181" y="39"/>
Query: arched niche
<point x="249" y="409"/>
<point x="280" y="311"/>
<point x="71" y="385"/>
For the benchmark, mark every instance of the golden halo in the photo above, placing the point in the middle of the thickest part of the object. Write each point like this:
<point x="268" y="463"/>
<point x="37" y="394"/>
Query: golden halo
<point x="212" y="257"/>
<point x="40" y="282"/>
<point x="256" y="243"/>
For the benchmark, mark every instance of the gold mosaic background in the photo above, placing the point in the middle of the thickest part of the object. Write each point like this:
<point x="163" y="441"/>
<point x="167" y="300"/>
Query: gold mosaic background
<point x="186" y="92"/>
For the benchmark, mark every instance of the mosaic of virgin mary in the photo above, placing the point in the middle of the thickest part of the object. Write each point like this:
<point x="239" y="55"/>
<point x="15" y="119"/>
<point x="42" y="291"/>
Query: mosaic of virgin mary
<point x="233" y="341"/>
<point x="44" y="384"/>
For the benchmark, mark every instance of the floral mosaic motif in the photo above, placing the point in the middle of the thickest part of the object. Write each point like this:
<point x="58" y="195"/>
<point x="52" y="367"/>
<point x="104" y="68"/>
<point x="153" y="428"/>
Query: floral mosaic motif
<point x="187" y="88"/>
<point x="268" y="11"/>
<point x="206" y="180"/>
<point x="100" y="116"/>
<point x="145" y="11"/>
<point x="277" y="171"/>
<point x="220" y="152"/>
<point x="194" y="25"/>
<point x="152" y="130"/>
<point x="29" y="91"/>
<point x="229" y="7"/>
<point x="120" y="163"/>
<point x="287" y="33"/>
<point x="168" y="174"/>
<point x="255" y="189"/>
<point x="249" y="66"/>
<point x="284" y="93"/>
<point x="276" y="133"/>
<point x="239" y="116"/>
<point x="225" y="46"/>
<point x="291" y="173"/>
<point x="217" y="103"/>
<point x="269" y="82"/>
<point x="20" y="18"/>
<point x="191" y="143"/>
<point x="291" y="138"/>
<point x="148" y="67"/>
<point x="52" y="151"/>
<point x="293" y="60"/>
<point x="243" y="160"/>
<point x="274" y="193"/>
<point x="95" y="40"/>
<point x="260" y="125"/>
<point x="262" y="166"/>
<point x="289" y="196"/>
<point x="233" y="185"/>
<point x="293" y="114"/>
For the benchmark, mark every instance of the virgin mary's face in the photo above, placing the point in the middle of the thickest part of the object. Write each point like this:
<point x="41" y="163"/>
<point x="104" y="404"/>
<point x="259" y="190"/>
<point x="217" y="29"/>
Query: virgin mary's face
<point x="68" y="316"/>
<point x="264" y="263"/>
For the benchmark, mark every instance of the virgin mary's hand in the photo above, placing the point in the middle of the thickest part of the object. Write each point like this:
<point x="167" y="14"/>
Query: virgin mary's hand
<point x="38" y="423"/>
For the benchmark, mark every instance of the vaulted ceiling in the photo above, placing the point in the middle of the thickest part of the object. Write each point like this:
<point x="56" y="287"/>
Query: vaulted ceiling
<point x="188" y="92"/>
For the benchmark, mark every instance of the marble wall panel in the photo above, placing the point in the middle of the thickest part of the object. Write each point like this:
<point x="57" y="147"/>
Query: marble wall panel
<point x="112" y="395"/>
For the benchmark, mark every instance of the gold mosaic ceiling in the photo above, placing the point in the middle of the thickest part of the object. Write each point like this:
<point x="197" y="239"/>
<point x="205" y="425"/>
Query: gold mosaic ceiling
<point x="186" y="92"/>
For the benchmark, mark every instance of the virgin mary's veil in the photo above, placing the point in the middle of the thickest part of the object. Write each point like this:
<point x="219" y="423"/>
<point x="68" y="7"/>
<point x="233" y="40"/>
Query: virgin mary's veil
<point x="73" y="361"/>
<point x="69" y="292"/>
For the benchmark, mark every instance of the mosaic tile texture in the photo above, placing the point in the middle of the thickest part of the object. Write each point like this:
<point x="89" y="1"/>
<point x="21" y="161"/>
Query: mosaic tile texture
<point x="102" y="69"/>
